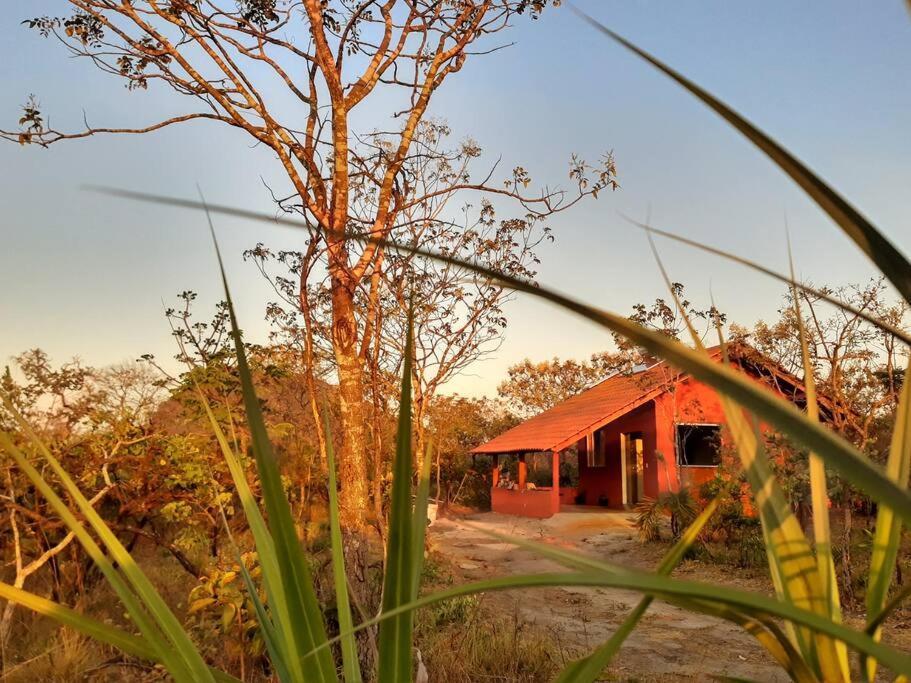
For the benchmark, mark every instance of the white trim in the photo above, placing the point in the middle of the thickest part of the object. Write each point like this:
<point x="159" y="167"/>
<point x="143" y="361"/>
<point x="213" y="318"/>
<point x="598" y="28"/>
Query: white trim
<point x="624" y="439"/>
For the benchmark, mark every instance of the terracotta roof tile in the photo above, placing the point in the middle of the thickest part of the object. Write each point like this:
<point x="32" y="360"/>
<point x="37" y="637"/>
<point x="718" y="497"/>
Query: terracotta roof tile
<point x="615" y="395"/>
<point x="606" y="401"/>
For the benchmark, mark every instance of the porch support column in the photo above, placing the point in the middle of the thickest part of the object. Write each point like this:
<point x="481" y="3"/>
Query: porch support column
<point x="495" y="475"/>
<point x="555" y="490"/>
<point x="523" y="471"/>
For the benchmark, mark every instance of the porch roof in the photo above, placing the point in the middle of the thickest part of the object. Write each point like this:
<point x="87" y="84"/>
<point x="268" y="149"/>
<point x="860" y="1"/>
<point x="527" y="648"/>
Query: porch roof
<point x="567" y="422"/>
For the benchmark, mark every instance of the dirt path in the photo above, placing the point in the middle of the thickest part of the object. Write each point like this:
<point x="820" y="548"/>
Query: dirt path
<point x="669" y="645"/>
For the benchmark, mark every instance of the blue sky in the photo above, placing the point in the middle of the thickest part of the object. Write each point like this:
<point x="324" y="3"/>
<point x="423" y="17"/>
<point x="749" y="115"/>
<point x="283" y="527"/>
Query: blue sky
<point x="82" y="275"/>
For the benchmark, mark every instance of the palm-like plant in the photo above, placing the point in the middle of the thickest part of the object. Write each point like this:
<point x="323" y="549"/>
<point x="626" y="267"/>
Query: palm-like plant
<point x="812" y="645"/>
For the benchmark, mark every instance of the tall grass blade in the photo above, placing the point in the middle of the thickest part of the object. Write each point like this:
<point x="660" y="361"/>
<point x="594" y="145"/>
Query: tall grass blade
<point x="274" y="646"/>
<point x="419" y="525"/>
<point x="819" y="493"/>
<point x="790" y="281"/>
<point x="395" y="634"/>
<point x="588" y="669"/>
<point x="350" y="661"/>
<point x="762" y="628"/>
<point x="779" y="413"/>
<point x="791" y="561"/>
<point x="671" y="590"/>
<point x="96" y="630"/>
<point x="879" y="249"/>
<point x="307" y="627"/>
<point x="123" y="641"/>
<point x="280" y="627"/>
<point x="887" y="536"/>
<point x="145" y="606"/>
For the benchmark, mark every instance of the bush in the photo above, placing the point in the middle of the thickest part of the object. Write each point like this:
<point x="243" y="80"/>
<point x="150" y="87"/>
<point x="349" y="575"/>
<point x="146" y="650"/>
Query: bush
<point x="678" y="506"/>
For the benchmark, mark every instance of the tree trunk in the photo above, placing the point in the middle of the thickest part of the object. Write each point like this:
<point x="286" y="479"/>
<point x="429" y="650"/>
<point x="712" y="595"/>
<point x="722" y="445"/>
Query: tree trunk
<point x="352" y="469"/>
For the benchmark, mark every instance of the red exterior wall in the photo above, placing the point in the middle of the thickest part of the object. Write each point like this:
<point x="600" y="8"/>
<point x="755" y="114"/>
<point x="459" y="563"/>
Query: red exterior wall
<point x="607" y="480"/>
<point x="688" y="401"/>
<point x="537" y="503"/>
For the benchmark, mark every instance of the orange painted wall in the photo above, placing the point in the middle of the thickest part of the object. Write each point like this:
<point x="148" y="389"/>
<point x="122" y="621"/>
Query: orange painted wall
<point x="595" y="481"/>
<point x="537" y="503"/>
<point x="690" y="401"/>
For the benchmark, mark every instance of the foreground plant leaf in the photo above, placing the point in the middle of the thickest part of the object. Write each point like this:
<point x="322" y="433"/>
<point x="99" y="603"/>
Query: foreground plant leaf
<point x="419" y="526"/>
<point x="395" y="634"/>
<point x="589" y="668"/>
<point x="879" y="249"/>
<point x="277" y="626"/>
<point x="96" y="630"/>
<point x="145" y="606"/>
<point x="350" y="660"/>
<point x="790" y="281"/>
<point x="819" y="494"/>
<point x="306" y="620"/>
<point x="887" y="536"/>
<point x="792" y="563"/>
<point x="671" y="590"/>
<point x="762" y="628"/>
<point x="779" y="413"/>
<point x="126" y="642"/>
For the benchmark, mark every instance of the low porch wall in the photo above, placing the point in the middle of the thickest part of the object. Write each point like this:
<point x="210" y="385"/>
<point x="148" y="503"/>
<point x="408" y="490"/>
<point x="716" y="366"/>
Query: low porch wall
<point x="539" y="503"/>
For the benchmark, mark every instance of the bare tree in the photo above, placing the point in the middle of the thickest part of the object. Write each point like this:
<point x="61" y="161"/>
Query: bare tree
<point x="231" y="59"/>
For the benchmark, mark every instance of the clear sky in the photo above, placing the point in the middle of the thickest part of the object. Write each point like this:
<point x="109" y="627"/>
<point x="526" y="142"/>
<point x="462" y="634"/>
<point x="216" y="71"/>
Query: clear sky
<point x="82" y="275"/>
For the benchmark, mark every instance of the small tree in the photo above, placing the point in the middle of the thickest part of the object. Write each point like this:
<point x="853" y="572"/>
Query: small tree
<point x="239" y="62"/>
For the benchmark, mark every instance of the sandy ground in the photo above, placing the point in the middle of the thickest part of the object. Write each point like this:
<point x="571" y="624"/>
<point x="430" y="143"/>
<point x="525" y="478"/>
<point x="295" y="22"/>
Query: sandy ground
<point x="670" y="644"/>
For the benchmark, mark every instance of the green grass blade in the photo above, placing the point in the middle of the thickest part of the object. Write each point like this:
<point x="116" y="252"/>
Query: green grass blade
<point x="395" y="634"/>
<point x="769" y="636"/>
<point x="791" y="561"/>
<point x="790" y="281"/>
<point x="96" y="630"/>
<point x="763" y="629"/>
<point x="281" y="626"/>
<point x="419" y="526"/>
<point x="275" y="645"/>
<point x="819" y="494"/>
<point x="779" y="413"/>
<point x="895" y="602"/>
<point x="887" y="536"/>
<point x="671" y="590"/>
<point x="135" y="605"/>
<point x="879" y="249"/>
<point x="307" y="627"/>
<point x="589" y="668"/>
<point x="350" y="661"/>
<point x="126" y="642"/>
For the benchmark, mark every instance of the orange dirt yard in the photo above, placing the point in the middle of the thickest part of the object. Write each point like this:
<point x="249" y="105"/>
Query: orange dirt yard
<point x="670" y="644"/>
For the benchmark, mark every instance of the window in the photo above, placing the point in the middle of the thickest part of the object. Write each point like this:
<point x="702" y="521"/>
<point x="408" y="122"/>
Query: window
<point x="698" y="445"/>
<point x="597" y="453"/>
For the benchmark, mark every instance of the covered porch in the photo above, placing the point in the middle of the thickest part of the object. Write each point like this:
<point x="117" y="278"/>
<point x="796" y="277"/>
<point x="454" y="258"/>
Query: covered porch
<point x="609" y="464"/>
<point x="516" y="494"/>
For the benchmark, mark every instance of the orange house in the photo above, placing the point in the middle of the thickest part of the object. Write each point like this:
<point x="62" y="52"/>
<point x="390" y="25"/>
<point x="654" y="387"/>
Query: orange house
<point x="633" y="436"/>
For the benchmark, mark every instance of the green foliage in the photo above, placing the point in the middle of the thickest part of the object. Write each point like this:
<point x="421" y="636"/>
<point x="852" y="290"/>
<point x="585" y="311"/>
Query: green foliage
<point x="678" y="506"/>
<point x="223" y="612"/>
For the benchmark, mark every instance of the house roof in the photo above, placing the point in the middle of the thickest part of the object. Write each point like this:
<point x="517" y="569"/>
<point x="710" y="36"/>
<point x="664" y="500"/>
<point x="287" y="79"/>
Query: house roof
<point x="615" y="396"/>
<point x="568" y="421"/>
